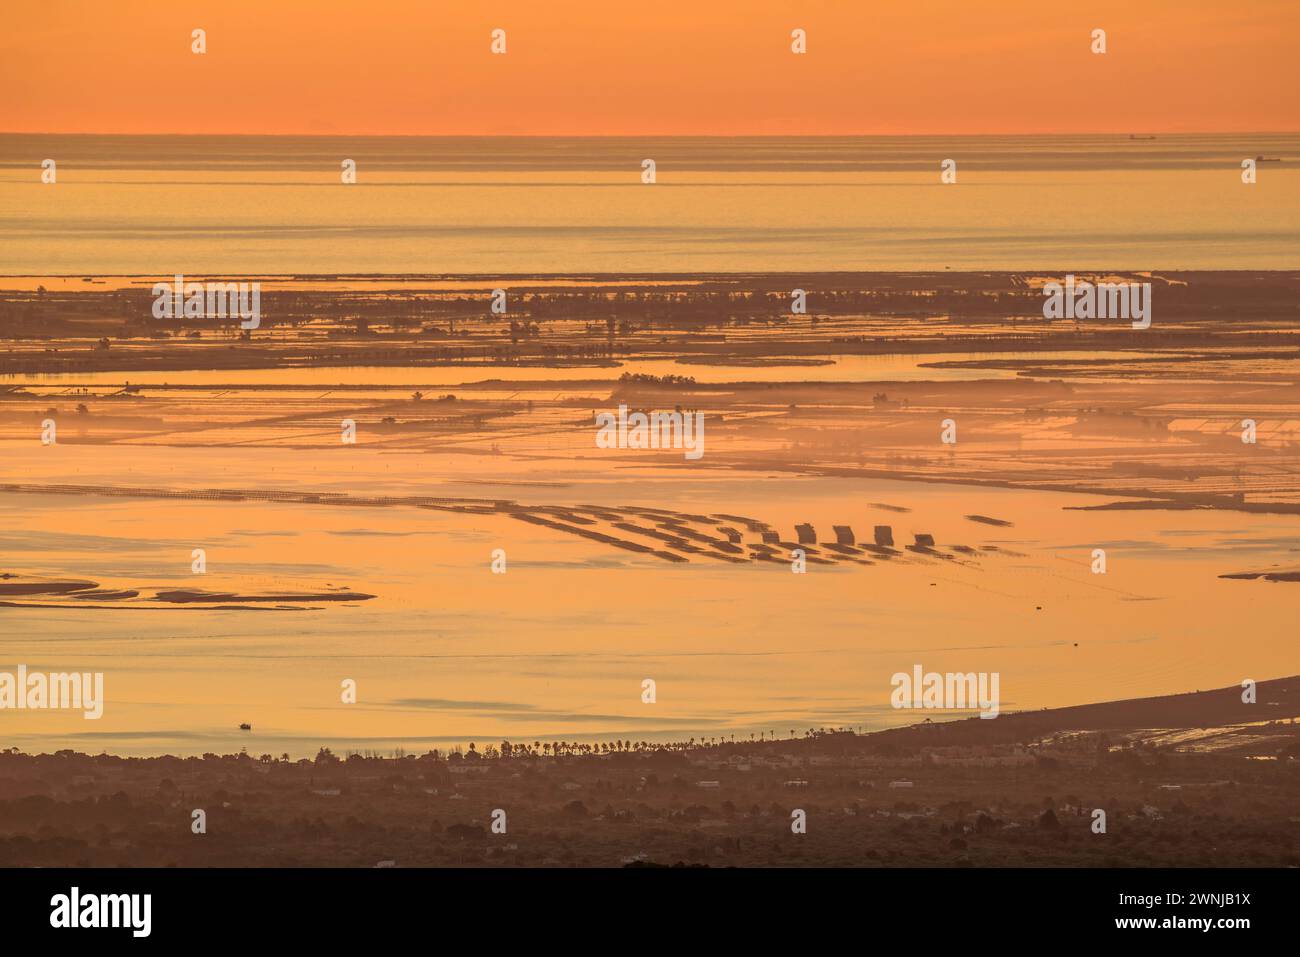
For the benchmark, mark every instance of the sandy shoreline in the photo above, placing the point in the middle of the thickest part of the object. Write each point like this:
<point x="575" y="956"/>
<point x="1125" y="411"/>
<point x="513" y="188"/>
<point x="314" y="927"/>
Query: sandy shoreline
<point x="957" y="794"/>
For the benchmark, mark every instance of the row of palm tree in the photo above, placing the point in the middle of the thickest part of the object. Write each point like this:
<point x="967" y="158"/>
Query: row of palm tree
<point x="620" y="746"/>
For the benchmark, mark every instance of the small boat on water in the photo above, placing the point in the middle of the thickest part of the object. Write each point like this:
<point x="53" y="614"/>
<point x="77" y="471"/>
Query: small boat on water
<point x="245" y="727"/>
<point x="1267" y="159"/>
<point x="1134" y="136"/>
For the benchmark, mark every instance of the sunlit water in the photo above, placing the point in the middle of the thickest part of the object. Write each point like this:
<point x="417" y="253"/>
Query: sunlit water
<point x="557" y="648"/>
<point x="518" y="205"/>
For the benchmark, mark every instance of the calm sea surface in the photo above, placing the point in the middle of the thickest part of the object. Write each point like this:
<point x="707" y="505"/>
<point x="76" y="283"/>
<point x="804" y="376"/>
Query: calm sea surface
<point x="158" y="205"/>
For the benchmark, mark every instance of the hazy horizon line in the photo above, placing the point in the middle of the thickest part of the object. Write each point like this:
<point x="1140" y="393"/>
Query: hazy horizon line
<point x="682" y="136"/>
<point x="633" y="275"/>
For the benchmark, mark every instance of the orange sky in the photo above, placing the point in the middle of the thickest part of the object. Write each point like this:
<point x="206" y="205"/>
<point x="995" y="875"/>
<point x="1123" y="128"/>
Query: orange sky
<point x="608" y="67"/>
